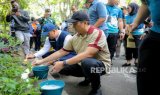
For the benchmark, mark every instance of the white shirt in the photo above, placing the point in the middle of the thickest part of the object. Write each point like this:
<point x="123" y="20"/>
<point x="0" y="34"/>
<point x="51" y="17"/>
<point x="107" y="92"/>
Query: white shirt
<point x="47" y="45"/>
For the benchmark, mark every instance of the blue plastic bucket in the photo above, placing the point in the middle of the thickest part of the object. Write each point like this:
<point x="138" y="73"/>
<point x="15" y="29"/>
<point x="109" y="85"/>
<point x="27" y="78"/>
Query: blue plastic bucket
<point x="52" y="87"/>
<point x="40" y="71"/>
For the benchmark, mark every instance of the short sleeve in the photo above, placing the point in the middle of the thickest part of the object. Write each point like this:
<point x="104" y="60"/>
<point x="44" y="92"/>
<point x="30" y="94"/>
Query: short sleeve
<point x="98" y="40"/>
<point x="68" y="46"/>
<point x="144" y="2"/>
<point x="120" y="14"/>
<point x="68" y="37"/>
<point x="101" y="10"/>
<point x="127" y="20"/>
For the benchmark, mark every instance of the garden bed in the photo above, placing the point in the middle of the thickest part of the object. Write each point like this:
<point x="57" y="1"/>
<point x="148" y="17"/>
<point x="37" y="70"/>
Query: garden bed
<point x="11" y="68"/>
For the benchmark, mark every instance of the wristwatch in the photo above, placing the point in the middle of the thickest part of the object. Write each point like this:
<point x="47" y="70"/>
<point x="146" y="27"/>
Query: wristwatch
<point x="65" y="63"/>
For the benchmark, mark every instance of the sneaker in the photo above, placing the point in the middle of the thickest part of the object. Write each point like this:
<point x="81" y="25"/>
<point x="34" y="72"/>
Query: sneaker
<point x="95" y="92"/>
<point x="126" y="64"/>
<point x="86" y="82"/>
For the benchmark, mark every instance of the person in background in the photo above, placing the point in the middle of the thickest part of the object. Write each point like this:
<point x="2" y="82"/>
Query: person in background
<point x="47" y="18"/>
<point x="69" y="26"/>
<point x="124" y="41"/>
<point x="92" y="52"/>
<point x="86" y="6"/>
<point x="125" y="13"/>
<point x="114" y="25"/>
<point x="74" y="8"/>
<point x="36" y="34"/>
<point x="44" y="20"/>
<point x="136" y="34"/>
<point x="148" y="67"/>
<point x="119" y="41"/>
<point x="97" y="14"/>
<point x="21" y="25"/>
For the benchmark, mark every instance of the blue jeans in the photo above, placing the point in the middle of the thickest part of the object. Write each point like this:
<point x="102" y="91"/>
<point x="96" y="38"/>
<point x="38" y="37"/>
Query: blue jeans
<point x="90" y="68"/>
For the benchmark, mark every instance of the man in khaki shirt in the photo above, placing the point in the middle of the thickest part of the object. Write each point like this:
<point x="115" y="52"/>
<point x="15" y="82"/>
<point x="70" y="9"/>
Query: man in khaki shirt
<point x="92" y="59"/>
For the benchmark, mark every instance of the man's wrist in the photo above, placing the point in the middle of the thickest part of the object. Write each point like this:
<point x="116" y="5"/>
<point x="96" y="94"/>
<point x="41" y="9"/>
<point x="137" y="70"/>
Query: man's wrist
<point x="65" y="63"/>
<point x="122" y="31"/>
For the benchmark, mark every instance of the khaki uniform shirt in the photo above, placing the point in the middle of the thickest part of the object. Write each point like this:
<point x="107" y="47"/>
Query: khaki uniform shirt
<point x="94" y="38"/>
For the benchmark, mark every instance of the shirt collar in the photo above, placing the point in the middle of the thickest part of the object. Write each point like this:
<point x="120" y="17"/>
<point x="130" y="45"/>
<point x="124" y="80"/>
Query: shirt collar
<point x="58" y="34"/>
<point x="94" y="2"/>
<point x="90" y="30"/>
<point x="111" y="5"/>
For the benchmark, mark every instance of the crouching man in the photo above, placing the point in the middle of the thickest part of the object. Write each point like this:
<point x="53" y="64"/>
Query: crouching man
<point x="56" y="39"/>
<point x="92" y="52"/>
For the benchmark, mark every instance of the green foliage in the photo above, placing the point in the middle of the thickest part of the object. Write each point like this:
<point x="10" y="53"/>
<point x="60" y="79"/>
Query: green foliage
<point x="11" y="81"/>
<point x="137" y="1"/>
<point x="11" y="70"/>
<point x="6" y="41"/>
<point x="5" y="8"/>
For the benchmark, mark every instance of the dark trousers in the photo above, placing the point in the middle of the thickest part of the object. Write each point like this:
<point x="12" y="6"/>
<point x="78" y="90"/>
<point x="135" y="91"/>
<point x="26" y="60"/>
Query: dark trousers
<point x="90" y="68"/>
<point x="70" y="55"/>
<point x="149" y="62"/>
<point x="125" y="42"/>
<point x="112" y="42"/>
<point x="37" y="41"/>
<point x="131" y="53"/>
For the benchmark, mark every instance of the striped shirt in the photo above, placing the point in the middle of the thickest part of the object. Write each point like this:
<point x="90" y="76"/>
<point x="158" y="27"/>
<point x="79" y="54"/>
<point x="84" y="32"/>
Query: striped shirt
<point x="94" y="38"/>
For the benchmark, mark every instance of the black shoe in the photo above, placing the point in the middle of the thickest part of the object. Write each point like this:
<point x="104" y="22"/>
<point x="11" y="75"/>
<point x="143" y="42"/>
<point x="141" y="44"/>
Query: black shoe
<point x="126" y="64"/>
<point x="95" y="92"/>
<point x="86" y="82"/>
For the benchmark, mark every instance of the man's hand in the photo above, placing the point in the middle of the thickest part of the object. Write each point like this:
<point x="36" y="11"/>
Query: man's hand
<point x="58" y="66"/>
<point x="121" y="35"/>
<point x="132" y="27"/>
<point x="30" y="56"/>
<point x="37" y="62"/>
<point x="142" y="36"/>
<point x="18" y="14"/>
<point x="12" y="13"/>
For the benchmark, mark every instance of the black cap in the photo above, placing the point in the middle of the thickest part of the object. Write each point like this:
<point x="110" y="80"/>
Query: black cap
<point x="78" y="16"/>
